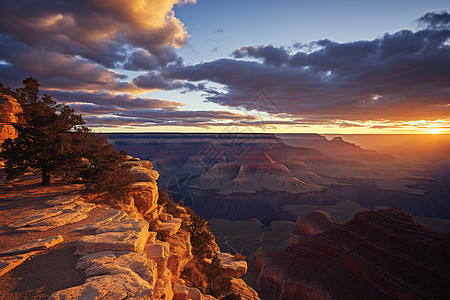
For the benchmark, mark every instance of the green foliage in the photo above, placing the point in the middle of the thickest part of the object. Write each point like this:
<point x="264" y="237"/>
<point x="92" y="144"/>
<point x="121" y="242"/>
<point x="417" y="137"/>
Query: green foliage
<point x="53" y="141"/>
<point x="209" y="278"/>
<point x="103" y="169"/>
<point x="167" y="201"/>
<point x="43" y="139"/>
<point x="239" y="256"/>
<point x="202" y="239"/>
<point x="232" y="296"/>
<point x="216" y="283"/>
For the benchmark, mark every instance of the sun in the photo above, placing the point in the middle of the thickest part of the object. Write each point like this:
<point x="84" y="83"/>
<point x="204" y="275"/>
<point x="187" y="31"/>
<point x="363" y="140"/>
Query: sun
<point x="435" y="130"/>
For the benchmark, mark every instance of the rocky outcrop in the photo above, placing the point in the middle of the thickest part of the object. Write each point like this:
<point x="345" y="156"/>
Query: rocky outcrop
<point x="241" y="288"/>
<point x="145" y="191"/>
<point x="381" y="254"/>
<point x="10" y="114"/>
<point x="234" y="268"/>
<point x="121" y="256"/>
<point x="250" y="173"/>
<point x="314" y="223"/>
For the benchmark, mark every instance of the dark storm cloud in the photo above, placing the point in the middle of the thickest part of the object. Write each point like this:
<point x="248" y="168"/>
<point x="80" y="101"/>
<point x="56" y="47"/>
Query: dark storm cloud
<point x="105" y="100"/>
<point x="400" y="76"/>
<point x="270" y="54"/>
<point x="435" y="20"/>
<point x="61" y="39"/>
<point x="153" y="117"/>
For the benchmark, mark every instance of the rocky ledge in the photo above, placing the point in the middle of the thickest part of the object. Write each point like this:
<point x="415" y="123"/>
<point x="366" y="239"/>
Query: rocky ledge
<point x="381" y="254"/>
<point x="120" y="254"/>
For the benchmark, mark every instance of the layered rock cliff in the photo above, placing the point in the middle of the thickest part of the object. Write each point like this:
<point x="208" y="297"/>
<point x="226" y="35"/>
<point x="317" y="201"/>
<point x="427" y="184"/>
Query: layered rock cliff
<point x="10" y="114"/>
<point x="380" y="254"/>
<point x="141" y="254"/>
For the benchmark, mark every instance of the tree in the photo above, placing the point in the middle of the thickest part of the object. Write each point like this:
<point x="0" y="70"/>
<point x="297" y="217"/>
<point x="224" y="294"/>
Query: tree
<point x="43" y="140"/>
<point x="103" y="169"/>
<point x="202" y="239"/>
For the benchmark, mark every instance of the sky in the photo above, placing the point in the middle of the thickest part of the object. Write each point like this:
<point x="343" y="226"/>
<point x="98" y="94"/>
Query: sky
<point x="320" y="66"/>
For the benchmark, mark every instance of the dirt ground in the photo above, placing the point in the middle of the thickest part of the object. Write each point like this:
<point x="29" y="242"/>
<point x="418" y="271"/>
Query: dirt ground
<point x="54" y="268"/>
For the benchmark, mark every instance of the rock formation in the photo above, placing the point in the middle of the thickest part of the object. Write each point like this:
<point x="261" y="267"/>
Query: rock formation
<point x="381" y="254"/>
<point x="122" y="256"/>
<point x="250" y="173"/>
<point x="10" y="114"/>
<point x="314" y="223"/>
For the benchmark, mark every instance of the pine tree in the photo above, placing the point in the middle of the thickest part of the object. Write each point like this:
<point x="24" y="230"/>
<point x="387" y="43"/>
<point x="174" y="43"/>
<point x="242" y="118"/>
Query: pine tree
<point x="103" y="168"/>
<point x="44" y="137"/>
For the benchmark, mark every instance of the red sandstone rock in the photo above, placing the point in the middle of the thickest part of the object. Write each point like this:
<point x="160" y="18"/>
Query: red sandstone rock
<point x="381" y="254"/>
<point x="314" y="223"/>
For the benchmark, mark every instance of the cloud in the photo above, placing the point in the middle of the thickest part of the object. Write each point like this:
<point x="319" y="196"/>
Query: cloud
<point x="154" y="117"/>
<point x="63" y="38"/>
<point x="399" y="76"/>
<point x="440" y="20"/>
<point x="110" y="102"/>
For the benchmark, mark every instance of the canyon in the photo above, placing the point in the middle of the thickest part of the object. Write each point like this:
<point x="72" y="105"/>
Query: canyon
<point x="379" y="254"/>
<point x="244" y="176"/>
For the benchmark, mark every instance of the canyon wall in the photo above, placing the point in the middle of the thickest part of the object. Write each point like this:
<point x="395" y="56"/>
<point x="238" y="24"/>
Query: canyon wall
<point x="10" y="114"/>
<point x="380" y="254"/>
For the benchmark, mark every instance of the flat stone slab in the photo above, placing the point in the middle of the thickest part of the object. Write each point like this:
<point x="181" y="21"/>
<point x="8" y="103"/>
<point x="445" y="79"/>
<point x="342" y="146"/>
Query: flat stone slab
<point x="39" y="244"/>
<point x="124" y="224"/>
<point x="62" y="200"/>
<point x="10" y="262"/>
<point x="236" y="268"/>
<point x="81" y="207"/>
<point x="116" y="262"/>
<point x="113" y="241"/>
<point x="62" y="219"/>
<point x="35" y="216"/>
<point x="118" y="286"/>
<point x="111" y="217"/>
<point x="170" y="227"/>
<point x="34" y="228"/>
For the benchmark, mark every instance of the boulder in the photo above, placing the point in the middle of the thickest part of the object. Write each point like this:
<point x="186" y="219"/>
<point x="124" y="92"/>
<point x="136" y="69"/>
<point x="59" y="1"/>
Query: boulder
<point x="116" y="262"/>
<point x="39" y="244"/>
<point x="143" y="174"/>
<point x="116" y="241"/>
<point x="180" y="252"/>
<point x="159" y="253"/>
<point x="246" y="292"/>
<point x="169" y="227"/>
<point x="145" y="195"/>
<point x="118" y="286"/>
<point x="163" y="288"/>
<point x="165" y="217"/>
<point x="180" y="292"/>
<point x="234" y="268"/>
<point x="10" y="114"/>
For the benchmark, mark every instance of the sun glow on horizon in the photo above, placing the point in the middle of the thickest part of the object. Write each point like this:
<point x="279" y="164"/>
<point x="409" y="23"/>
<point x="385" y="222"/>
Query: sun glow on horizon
<point x="435" y="130"/>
